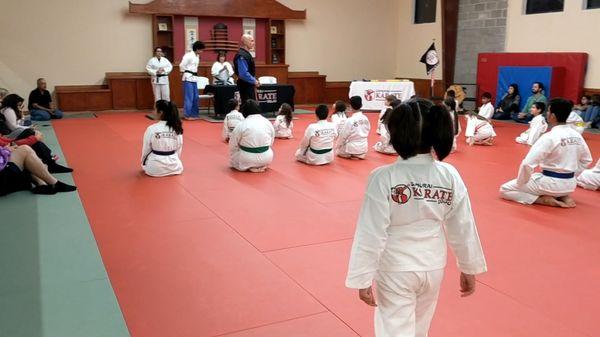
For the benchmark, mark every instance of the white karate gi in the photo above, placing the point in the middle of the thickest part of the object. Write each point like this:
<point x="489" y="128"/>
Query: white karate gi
<point x="590" y="179"/>
<point x="383" y="145"/>
<point x="380" y="124"/>
<point x="338" y="119"/>
<point x="231" y="120"/>
<point x="189" y="62"/>
<point x="576" y="122"/>
<point x="400" y="241"/>
<point x="219" y="67"/>
<point x="479" y="129"/>
<point x="282" y="129"/>
<point x="486" y="110"/>
<point x="353" y="138"/>
<point x="318" y="137"/>
<point x="253" y="132"/>
<point x="160" y="137"/>
<point x="160" y="84"/>
<point x="561" y="150"/>
<point x="537" y="127"/>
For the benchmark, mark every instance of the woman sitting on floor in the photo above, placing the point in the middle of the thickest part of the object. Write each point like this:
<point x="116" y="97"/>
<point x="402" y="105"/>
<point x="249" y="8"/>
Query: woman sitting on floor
<point x="20" y="167"/>
<point x="12" y="106"/>
<point x="163" y="142"/>
<point x="250" y="142"/>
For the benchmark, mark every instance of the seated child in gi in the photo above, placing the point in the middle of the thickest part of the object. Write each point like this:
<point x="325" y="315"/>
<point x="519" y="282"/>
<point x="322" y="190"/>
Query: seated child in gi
<point x="388" y="104"/>
<point x="479" y="130"/>
<point x="338" y="118"/>
<point x="316" y="147"/>
<point x="250" y="142"/>
<point x="590" y="179"/>
<point x="487" y="109"/>
<point x="232" y="119"/>
<point x="353" y="138"/>
<point x="283" y="122"/>
<point x="411" y="210"/>
<point x="561" y="153"/>
<point x="163" y="142"/>
<point x="537" y="126"/>
<point x="384" y="145"/>
<point x="450" y="105"/>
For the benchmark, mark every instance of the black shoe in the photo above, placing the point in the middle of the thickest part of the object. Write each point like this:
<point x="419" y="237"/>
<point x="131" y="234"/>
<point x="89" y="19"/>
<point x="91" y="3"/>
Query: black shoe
<point x="62" y="187"/>
<point x="57" y="168"/>
<point x="44" y="189"/>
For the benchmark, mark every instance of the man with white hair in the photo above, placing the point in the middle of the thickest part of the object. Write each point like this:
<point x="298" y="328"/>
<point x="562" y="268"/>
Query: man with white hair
<point x="245" y="69"/>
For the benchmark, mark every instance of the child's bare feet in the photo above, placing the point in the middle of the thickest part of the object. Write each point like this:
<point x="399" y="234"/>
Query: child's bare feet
<point x="258" y="169"/>
<point x="470" y="141"/>
<point x="547" y="200"/>
<point x="567" y="200"/>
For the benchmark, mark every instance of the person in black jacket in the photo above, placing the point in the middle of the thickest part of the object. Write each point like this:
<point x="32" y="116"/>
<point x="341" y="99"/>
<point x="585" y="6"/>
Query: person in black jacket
<point x="245" y="69"/>
<point x="509" y="103"/>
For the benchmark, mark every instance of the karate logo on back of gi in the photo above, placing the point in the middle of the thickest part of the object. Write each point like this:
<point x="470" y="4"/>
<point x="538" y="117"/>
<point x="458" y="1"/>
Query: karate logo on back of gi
<point x="401" y="194"/>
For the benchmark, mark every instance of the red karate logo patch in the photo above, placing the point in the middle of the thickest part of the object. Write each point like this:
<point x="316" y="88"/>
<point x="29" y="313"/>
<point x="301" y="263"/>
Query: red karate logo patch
<point x="369" y="94"/>
<point x="401" y="194"/>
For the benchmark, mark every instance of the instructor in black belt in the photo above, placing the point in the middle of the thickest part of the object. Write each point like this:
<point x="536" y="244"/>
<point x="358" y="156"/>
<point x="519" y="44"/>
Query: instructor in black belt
<point x="245" y="69"/>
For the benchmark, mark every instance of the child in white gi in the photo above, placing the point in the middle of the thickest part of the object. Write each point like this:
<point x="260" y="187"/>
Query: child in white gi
<point x="487" y="109"/>
<point x="283" y="122"/>
<point x="338" y="118"/>
<point x="163" y="141"/>
<point x="561" y="153"/>
<point x="251" y="140"/>
<point x="384" y="145"/>
<point x="410" y="210"/>
<point x="479" y="130"/>
<point x="576" y="122"/>
<point x="316" y="147"/>
<point x="450" y="104"/>
<point x="353" y="138"/>
<point x="590" y="179"/>
<point x="537" y="126"/>
<point x="232" y="119"/>
<point x="388" y="104"/>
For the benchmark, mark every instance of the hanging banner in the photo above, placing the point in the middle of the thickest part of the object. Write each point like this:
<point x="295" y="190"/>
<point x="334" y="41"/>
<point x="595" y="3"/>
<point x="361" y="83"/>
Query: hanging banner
<point x="249" y="27"/>
<point x="190" y="24"/>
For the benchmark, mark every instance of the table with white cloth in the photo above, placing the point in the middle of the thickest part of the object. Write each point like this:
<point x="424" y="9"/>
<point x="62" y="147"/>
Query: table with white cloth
<point x="373" y="93"/>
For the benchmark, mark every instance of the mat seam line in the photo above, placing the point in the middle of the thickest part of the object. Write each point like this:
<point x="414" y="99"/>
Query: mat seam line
<point x="306" y="245"/>
<point x="272" y="323"/>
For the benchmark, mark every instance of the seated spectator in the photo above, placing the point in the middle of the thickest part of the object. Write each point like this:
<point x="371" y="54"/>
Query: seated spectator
<point x="163" y="142"/>
<point x="20" y="167"/>
<point x="592" y="113"/>
<point x="222" y="71"/>
<point x="3" y="93"/>
<point x="509" y="103"/>
<point x="12" y="106"/>
<point x="251" y="141"/>
<point x="538" y="96"/>
<point x="586" y="101"/>
<point x="40" y="105"/>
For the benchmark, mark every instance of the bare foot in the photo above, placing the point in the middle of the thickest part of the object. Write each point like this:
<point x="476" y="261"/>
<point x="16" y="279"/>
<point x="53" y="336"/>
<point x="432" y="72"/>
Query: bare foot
<point x="567" y="200"/>
<point x="547" y="200"/>
<point x="258" y="169"/>
<point x="489" y="141"/>
<point x="470" y="141"/>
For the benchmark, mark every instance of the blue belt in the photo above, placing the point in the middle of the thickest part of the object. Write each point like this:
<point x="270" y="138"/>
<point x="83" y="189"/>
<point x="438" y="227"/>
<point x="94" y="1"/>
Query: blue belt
<point x="559" y="175"/>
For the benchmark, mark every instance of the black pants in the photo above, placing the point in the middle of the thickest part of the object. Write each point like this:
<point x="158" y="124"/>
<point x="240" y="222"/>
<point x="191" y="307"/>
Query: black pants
<point x="247" y="91"/>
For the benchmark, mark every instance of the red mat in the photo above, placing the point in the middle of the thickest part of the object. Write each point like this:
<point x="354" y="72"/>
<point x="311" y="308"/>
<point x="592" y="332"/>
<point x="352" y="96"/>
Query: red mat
<point x="215" y="252"/>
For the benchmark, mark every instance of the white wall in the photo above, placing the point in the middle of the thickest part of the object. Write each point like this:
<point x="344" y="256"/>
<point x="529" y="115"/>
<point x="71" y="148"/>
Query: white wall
<point x="574" y="30"/>
<point x="69" y="42"/>
<point x="413" y="40"/>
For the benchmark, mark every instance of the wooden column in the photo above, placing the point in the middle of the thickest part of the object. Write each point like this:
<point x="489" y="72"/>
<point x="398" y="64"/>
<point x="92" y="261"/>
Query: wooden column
<point x="449" y="33"/>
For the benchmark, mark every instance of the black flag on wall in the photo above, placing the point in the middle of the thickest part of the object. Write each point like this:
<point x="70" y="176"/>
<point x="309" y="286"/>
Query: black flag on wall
<point x="430" y="58"/>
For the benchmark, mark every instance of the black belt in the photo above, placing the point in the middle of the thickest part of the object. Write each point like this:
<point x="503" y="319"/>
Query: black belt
<point x="191" y="72"/>
<point x="321" y="151"/>
<point x="558" y="175"/>
<point x="158" y="153"/>
<point x="161" y="75"/>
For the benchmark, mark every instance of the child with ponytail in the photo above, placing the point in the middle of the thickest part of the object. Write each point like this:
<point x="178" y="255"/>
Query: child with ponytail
<point x="163" y="141"/>
<point x="410" y="210"/>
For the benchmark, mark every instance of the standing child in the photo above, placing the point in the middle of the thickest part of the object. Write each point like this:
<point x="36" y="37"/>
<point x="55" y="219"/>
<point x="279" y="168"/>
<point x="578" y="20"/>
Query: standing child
<point x="590" y="179"/>
<point x="353" y="140"/>
<point x="232" y="119"/>
<point x="410" y="210"/>
<point x="384" y="145"/>
<point x="338" y="118"/>
<point x="479" y="130"/>
<point x="487" y="109"/>
<point x="450" y="105"/>
<point x="561" y="153"/>
<point x="250" y="142"/>
<point x="163" y="141"/>
<point x="388" y="104"/>
<point x="537" y="126"/>
<point x="316" y="147"/>
<point x="283" y="122"/>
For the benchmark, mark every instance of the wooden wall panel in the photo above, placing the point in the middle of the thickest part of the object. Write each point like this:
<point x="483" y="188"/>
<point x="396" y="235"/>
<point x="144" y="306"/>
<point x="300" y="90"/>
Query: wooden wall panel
<point x="83" y="98"/>
<point x="124" y="92"/>
<point x="144" y="94"/>
<point x="310" y="87"/>
<point x="335" y="91"/>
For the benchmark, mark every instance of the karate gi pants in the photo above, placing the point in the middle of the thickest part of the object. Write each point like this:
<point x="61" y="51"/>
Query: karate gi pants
<point x="537" y="186"/>
<point x="161" y="91"/>
<point x="190" y="99"/>
<point x="406" y="302"/>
